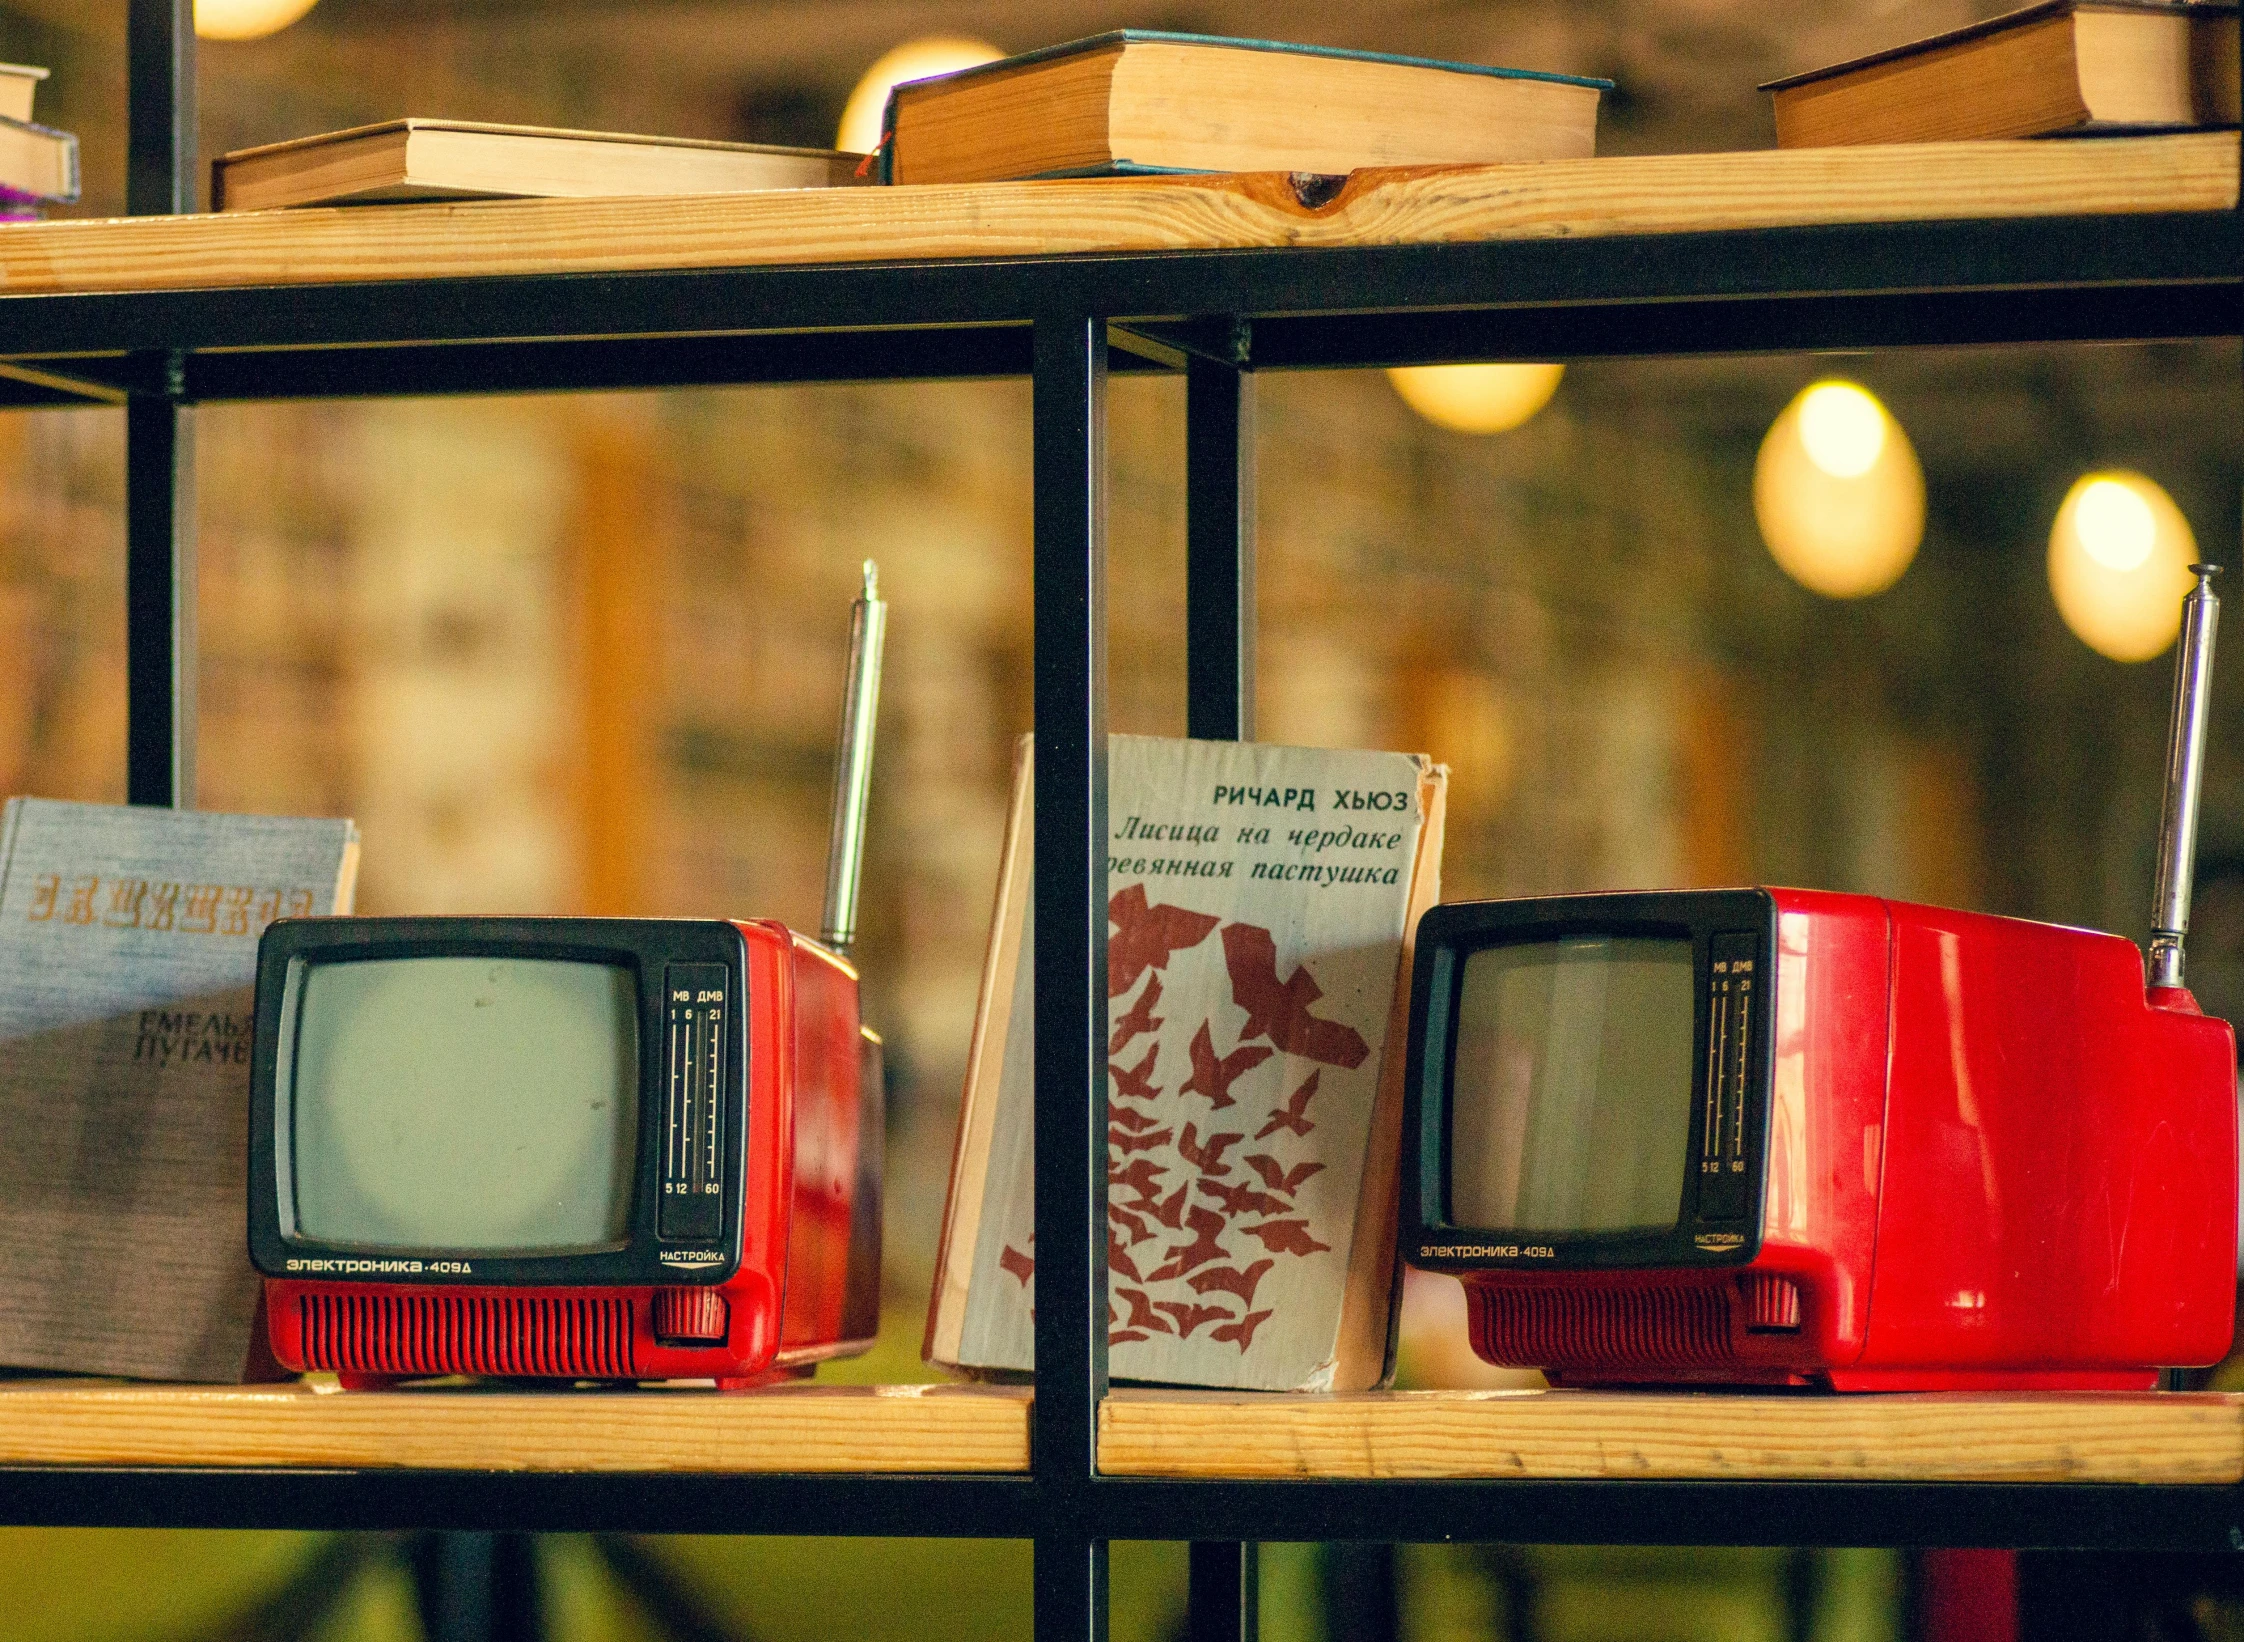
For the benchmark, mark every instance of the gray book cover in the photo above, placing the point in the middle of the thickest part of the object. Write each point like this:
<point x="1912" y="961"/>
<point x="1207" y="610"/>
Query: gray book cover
<point x="128" y="954"/>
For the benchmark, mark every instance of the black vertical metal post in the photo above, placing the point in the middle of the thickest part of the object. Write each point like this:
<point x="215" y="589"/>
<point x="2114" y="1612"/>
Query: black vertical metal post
<point x="477" y="1587"/>
<point x="1223" y="1595"/>
<point x="159" y="601"/>
<point x="1219" y="551"/>
<point x="1070" y="973"/>
<point x="160" y="180"/>
<point x="160" y="107"/>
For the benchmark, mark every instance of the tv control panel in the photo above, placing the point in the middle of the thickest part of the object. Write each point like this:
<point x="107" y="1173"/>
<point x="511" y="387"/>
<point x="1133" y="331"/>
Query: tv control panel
<point x="692" y="1207"/>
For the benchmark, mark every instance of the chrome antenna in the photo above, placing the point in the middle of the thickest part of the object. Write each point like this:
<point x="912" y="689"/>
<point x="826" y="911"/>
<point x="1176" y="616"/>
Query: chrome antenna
<point x="2185" y="771"/>
<point x="853" y="762"/>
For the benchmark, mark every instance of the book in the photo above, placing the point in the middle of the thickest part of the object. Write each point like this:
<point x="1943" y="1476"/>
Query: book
<point x="1261" y="901"/>
<point x="1138" y="101"/>
<point x="37" y="161"/>
<point x="18" y="83"/>
<point x="128" y="951"/>
<point x="460" y="159"/>
<point x="2089" y="66"/>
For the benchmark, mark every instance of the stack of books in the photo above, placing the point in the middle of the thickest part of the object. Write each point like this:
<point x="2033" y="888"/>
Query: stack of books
<point x="38" y="166"/>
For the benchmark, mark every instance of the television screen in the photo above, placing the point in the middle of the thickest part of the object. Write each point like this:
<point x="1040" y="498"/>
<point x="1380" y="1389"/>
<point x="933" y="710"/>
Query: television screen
<point x="1570" y="1102"/>
<point x="463" y="1105"/>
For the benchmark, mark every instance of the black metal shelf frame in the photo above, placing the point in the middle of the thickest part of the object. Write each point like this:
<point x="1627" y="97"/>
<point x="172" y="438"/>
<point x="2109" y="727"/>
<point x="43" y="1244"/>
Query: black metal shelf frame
<point x="1065" y="322"/>
<point x="1061" y="1511"/>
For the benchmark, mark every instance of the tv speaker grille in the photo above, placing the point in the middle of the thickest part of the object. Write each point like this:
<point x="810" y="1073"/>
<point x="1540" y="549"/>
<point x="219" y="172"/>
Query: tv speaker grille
<point x="1605" y="1328"/>
<point x="468" y="1334"/>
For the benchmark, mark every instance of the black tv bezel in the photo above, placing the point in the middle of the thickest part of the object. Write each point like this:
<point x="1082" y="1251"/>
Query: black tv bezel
<point x="642" y="945"/>
<point x="1449" y="934"/>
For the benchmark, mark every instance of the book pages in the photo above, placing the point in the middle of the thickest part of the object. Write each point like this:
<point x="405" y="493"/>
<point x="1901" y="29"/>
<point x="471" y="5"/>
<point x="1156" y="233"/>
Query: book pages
<point x="128" y="953"/>
<point x="1257" y="900"/>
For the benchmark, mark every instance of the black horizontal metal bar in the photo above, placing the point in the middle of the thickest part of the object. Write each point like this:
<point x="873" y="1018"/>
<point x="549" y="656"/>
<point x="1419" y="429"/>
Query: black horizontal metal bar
<point x="1785" y="324"/>
<point x="1857" y="273"/>
<point x="2039" y="1516"/>
<point x="945" y="1507"/>
<point x="31" y="385"/>
<point x="950" y="354"/>
<point x="608" y="364"/>
<point x="2043" y="1516"/>
<point x="16" y="394"/>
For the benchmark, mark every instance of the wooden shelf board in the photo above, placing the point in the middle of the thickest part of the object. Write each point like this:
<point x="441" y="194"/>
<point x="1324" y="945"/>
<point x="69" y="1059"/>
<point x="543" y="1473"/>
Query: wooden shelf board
<point x="1640" y="1436"/>
<point x="790" y="1428"/>
<point x="1658" y="194"/>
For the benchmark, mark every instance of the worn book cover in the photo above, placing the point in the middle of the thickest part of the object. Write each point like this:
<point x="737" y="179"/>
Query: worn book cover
<point x="1259" y="903"/>
<point x="128" y="951"/>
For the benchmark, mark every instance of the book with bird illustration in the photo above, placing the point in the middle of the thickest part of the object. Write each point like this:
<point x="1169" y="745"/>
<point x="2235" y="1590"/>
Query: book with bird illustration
<point x="1260" y="903"/>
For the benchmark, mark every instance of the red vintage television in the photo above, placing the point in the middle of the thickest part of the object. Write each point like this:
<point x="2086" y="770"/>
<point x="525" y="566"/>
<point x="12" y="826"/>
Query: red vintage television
<point x="571" y="1148"/>
<point x="574" y="1148"/>
<point x="1778" y="1136"/>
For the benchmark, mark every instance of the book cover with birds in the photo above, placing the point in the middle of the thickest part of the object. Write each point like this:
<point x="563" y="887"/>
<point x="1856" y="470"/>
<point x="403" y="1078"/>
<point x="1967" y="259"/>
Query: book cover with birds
<point x="1258" y="903"/>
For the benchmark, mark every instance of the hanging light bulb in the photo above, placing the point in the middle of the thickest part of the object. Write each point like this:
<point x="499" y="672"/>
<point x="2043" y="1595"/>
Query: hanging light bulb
<point x="1476" y="398"/>
<point x="913" y="60"/>
<point x="1838" y="492"/>
<point x="2119" y="557"/>
<point x="246" y="19"/>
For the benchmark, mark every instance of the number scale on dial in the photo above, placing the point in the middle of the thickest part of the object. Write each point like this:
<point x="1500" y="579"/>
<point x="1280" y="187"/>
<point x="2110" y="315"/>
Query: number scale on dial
<point x="694" y="1101"/>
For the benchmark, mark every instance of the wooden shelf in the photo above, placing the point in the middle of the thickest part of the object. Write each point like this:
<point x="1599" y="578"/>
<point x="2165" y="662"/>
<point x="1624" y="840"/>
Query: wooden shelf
<point x="1645" y="1436"/>
<point x="1547" y="1435"/>
<point x="1661" y="194"/>
<point x="796" y="1428"/>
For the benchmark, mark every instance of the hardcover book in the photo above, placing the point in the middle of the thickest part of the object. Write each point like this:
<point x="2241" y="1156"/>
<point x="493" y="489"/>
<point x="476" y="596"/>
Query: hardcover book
<point x="37" y="162"/>
<point x="128" y="947"/>
<point x="2064" y="66"/>
<point x="1260" y="904"/>
<point x="19" y="84"/>
<point x="1144" y="101"/>
<point x="461" y="159"/>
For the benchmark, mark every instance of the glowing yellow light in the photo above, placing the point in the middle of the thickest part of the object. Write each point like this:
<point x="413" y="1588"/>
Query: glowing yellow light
<point x="2117" y="528"/>
<point x="1838" y="493"/>
<point x="913" y="60"/>
<point x="246" y="19"/>
<point x="1843" y="428"/>
<point x="2119" y="557"/>
<point x="1476" y="398"/>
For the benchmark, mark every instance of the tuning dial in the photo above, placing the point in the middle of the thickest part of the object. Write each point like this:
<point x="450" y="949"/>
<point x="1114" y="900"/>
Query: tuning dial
<point x="690" y="1316"/>
<point x="1772" y="1303"/>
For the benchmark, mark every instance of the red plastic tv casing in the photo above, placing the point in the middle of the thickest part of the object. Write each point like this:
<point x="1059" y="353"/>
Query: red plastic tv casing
<point x="807" y="1284"/>
<point x="1993" y="1159"/>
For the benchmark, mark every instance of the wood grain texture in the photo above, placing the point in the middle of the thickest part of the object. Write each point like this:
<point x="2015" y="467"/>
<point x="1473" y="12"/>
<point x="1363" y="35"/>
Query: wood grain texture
<point x="1933" y="1437"/>
<point x="785" y="1428"/>
<point x="1674" y="193"/>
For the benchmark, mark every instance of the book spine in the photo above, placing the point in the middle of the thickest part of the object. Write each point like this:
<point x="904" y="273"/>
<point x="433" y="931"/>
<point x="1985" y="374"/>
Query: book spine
<point x="10" y="819"/>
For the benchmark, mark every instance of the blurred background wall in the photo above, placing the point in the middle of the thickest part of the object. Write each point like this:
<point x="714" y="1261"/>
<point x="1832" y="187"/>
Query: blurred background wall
<point x="584" y="655"/>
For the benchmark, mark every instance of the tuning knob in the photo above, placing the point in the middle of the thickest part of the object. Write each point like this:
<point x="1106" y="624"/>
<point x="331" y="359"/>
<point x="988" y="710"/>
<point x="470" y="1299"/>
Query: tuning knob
<point x="1772" y="1303"/>
<point x="690" y="1316"/>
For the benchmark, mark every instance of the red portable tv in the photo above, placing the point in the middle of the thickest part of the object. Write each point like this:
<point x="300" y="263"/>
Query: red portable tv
<point x="1777" y="1136"/>
<point x="574" y="1148"/>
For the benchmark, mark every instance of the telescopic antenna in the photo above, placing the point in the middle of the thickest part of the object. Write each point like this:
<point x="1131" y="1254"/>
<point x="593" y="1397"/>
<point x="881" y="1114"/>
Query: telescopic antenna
<point x="853" y="762"/>
<point x="2185" y="770"/>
